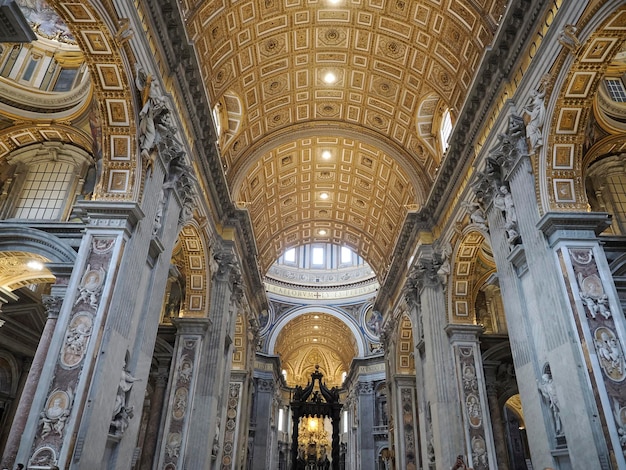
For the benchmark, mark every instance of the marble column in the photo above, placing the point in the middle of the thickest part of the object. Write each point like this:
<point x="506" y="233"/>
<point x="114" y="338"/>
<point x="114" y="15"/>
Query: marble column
<point x="443" y="425"/>
<point x="548" y="352"/>
<point x="79" y="346"/>
<point x="175" y="446"/>
<point x="470" y="378"/>
<point x="366" y="456"/>
<point x="206" y="428"/>
<point x="264" y="397"/>
<point x="406" y="423"/>
<point x="156" y="412"/>
<point x="235" y="421"/>
<point x="52" y="305"/>
<point x="600" y="330"/>
<point x="495" y="411"/>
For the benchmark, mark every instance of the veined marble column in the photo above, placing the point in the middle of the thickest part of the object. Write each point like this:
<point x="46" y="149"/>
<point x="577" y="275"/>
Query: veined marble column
<point x="425" y="447"/>
<point x="236" y="417"/>
<point x="148" y="453"/>
<point x="497" y="422"/>
<point x="186" y="373"/>
<point x="53" y="306"/>
<point x="600" y="328"/>
<point x="471" y="382"/>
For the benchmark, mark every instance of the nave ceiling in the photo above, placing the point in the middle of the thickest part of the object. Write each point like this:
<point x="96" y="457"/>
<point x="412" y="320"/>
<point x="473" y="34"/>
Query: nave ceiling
<point x="397" y="65"/>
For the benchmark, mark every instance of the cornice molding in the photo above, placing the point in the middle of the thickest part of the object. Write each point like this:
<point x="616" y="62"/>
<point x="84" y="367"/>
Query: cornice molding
<point x="182" y="63"/>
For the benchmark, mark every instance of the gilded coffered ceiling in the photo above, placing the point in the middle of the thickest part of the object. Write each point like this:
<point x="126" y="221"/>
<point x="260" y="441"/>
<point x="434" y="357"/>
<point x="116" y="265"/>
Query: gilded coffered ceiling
<point x="316" y="339"/>
<point x="19" y="269"/>
<point x="367" y="80"/>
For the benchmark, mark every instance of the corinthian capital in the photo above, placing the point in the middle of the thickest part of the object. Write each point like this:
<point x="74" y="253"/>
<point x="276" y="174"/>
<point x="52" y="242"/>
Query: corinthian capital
<point x="226" y="265"/>
<point x="52" y="304"/>
<point x="425" y="273"/>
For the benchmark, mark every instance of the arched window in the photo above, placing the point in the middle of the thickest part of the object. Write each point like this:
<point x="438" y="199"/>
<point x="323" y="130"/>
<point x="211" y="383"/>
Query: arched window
<point x="217" y="120"/>
<point x="43" y="181"/>
<point x="445" y="130"/>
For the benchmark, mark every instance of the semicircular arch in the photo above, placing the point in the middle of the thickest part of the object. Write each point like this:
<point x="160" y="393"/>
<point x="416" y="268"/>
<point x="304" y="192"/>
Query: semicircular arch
<point x="571" y="106"/>
<point x="196" y="271"/>
<point x="107" y="60"/>
<point x="21" y="238"/>
<point x="469" y="259"/>
<point x="332" y="311"/>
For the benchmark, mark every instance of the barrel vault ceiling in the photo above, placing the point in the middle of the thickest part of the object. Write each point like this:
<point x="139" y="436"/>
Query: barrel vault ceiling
<point x="397" y="65"/>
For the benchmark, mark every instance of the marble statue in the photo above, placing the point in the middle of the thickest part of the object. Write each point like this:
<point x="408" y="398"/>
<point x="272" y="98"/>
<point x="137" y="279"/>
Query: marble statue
<point x="548" y="393"/>
<point x="503" y="200"/>
<point x="536" y="111"/>
<point x="122" y="413"/>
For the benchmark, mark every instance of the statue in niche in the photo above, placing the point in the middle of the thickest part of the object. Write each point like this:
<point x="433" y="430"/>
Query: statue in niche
<point x="158" y="218"/>
<point x="536" y="112"/>
<point x="121" y="421"/>
<point x="94" y="172"/>
<point x="443" y="260"/>
<point x="548" y="393"/>
<point x="176" y="292"/>
<point x="503" y="200"/>
<point x="122" y="413"/>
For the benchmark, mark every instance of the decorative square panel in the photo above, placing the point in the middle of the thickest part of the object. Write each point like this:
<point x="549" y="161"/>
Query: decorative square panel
<point x="23" y="138"/>
<point x="196" y="281"/>
<point x="50" y="134"/>
<point x="109" y="75"/>
<point x="598" y="50"/>
<point x="568" y="121"/>
<point x="460" y="288"/>
<point x="563" y="157"/>
<point x="120" y="147"/>
<point x="564" y="190"/>
<point x="195" y="302"/>
<point x="580" y="84"/>
<point x="617" y="23"/>
<point x="78" y="12"/>
<point x="3" y="149"/>
<point x="461" y="308"/>
<point x="463" y="268"/>
<point x="195" y="262"/>
<point x="467" y="251"/>
<point x="117" y="112"/>
<point x="96" y="42"/>
<point x="118" y="181"/>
